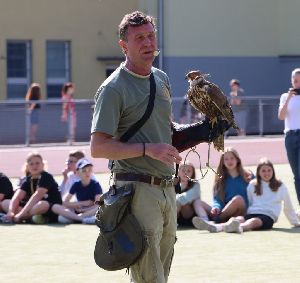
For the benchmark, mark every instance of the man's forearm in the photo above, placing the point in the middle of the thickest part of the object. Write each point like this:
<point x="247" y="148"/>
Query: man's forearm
<point x="116" y="150"/>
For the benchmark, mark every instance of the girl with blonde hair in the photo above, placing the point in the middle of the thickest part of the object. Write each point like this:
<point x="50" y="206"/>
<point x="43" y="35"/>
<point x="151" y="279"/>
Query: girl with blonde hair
<point x="34" y="199"/>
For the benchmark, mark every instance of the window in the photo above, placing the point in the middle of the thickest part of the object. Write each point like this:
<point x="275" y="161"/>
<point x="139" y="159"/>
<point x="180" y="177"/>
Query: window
<point x="18" y="65"/>
<point x="58" y="66"/>
<point x="110" y="69"/>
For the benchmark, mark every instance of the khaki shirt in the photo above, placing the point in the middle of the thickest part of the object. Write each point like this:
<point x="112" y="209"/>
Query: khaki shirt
<point x="120" y="101"/>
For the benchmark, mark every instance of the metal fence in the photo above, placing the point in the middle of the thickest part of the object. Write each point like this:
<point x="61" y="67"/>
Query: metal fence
<point x="261" y="115"/>
<point x="261" y="119"/>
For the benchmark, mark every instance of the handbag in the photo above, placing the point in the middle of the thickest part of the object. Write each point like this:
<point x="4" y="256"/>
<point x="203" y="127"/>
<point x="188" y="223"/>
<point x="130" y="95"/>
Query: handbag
<point x="121" y="240"/>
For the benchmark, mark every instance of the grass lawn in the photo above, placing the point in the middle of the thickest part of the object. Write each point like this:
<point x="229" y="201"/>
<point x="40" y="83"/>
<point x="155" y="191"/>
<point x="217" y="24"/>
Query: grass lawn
<point x="64" y="253"/>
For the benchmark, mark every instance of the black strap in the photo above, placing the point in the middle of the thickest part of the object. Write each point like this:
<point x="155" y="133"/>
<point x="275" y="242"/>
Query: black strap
<point x="136" y="126"/>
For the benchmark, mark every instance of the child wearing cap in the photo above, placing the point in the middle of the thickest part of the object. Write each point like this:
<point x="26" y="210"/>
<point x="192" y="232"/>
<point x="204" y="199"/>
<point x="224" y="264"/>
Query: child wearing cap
<point x="86" y="191"/>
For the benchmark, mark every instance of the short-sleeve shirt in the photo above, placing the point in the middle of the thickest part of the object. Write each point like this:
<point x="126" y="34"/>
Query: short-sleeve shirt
<point x="242" y="105"/>
<point x="292" y="119"/>
<point x="45" y="181"/>
<point x="120" y="102"/>
<point x="6" y="187"/>
<point x="86" y="192"/>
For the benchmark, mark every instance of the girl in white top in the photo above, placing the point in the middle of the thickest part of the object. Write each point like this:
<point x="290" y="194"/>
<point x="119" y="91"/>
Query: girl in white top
<point x="188" y="201"/>
<point x="289" y="111"/>
<point x="265" y="195"/>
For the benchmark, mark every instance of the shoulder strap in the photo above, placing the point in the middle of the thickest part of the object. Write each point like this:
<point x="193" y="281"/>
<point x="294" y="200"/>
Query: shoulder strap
<point x="136" y="126"/>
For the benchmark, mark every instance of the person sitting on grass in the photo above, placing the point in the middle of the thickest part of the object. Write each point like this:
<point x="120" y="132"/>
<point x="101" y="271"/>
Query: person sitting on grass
<point x="70" y="176"/>
<point x="34" y="200"/>
<point x="69" y="172"/>
<point x="230" y="191"/>
<point x="265" y="195"/>
<point x="87" y="191"/>
<point x="188" y="200"/>
<point x="6" y="189"/>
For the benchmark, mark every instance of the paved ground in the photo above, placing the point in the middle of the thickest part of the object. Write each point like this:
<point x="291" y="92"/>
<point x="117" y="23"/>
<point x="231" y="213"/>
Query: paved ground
<point x="249" y="148"/>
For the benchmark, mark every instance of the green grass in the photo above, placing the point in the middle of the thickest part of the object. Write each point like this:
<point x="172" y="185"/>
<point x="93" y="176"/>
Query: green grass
<point x="59" y="253"/>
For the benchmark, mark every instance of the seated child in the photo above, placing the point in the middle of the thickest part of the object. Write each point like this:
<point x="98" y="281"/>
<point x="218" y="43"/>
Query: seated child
<point x="87" y="191"/>
<point x="265" y="194"/>
<point x="6" y="189"/>
<point x="230" y="191"/>
<point x="189" y="202"/>
<point x="34" y="199"/>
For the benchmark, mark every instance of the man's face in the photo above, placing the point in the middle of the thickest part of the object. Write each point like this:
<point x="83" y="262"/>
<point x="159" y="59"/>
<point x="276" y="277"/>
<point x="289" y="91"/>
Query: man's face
<point x="140" y="45"/>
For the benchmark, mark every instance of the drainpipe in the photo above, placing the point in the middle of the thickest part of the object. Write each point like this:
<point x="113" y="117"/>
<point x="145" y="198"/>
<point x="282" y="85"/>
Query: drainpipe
<point x="160" y="27"/>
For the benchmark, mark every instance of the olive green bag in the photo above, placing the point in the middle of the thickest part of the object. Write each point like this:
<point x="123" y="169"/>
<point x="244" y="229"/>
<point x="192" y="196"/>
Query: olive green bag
<point x="121" y="239"/>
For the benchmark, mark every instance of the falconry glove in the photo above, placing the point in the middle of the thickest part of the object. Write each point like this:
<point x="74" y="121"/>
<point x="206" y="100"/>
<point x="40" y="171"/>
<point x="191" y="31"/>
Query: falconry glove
<point x="186" y="136"/>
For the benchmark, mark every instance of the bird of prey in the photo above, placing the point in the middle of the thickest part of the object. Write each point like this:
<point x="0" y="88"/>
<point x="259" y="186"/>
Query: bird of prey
<point x="209" y="99"/>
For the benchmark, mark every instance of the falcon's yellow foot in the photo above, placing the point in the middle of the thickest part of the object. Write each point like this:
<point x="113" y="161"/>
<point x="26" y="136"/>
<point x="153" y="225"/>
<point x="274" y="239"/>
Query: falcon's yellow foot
<point x="213" y="121"/>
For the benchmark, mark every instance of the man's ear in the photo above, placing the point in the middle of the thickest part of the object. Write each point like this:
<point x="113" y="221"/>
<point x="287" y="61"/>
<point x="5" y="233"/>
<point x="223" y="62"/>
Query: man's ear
<point x="123" y="46"/>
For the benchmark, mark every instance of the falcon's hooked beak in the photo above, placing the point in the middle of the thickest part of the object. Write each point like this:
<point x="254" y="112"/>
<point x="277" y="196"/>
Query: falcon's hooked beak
<point x="193" y="75"/>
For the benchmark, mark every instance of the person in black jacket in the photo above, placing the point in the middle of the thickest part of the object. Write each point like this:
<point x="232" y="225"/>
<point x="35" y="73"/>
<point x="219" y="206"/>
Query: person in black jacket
<point x="6" y="189"/>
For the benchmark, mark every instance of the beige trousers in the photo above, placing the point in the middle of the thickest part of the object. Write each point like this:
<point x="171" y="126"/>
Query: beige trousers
<point x="155" y="209"/>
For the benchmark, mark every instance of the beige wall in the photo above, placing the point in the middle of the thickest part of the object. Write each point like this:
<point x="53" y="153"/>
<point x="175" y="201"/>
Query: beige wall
<point x="289" y="39"/>
<point x="91" y="26"/>
<point x="231" y="27"/>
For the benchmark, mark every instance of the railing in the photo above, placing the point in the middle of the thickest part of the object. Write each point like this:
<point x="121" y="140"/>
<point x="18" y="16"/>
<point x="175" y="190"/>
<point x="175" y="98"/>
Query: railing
<point x="261" y="114"/>
<point x="15" y="119"/>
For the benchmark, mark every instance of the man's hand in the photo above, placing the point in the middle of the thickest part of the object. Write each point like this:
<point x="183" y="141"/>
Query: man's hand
<point x="163" y="152"/>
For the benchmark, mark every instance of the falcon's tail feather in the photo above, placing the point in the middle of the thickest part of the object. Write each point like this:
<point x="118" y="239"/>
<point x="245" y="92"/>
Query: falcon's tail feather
<point x="219" y="143"/>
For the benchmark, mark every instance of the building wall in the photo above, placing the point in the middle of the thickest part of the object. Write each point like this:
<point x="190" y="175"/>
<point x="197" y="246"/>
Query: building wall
<point x="91" y="26"/>
<point x="232" y="39"/>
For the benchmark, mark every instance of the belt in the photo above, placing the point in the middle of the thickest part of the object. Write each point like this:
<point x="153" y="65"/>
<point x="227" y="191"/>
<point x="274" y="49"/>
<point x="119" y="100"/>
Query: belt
<point x="293" y="132"/>
<point x="143" y="178"/>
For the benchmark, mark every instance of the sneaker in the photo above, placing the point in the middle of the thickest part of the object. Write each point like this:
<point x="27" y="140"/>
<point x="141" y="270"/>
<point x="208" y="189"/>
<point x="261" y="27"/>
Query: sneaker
<point x="202" y="224"/>
<point x="39" y="219"/>
<point x="233" y="227"/>
<point x="298" y="213"/>
<point x="5" y="220"/>
<point x="64" y="220"/>
<point x="89" y="220"/>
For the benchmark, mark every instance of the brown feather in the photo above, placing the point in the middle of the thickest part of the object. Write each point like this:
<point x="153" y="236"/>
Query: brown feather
<point x="208" y="98"/>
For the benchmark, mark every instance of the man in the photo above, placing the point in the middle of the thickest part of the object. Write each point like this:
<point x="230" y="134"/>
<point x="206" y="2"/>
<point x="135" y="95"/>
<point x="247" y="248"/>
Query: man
<point x="148" y="158"/>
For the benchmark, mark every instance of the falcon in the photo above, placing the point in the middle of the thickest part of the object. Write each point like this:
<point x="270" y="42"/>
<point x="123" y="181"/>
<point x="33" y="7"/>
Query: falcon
<point x="208" y="98"/>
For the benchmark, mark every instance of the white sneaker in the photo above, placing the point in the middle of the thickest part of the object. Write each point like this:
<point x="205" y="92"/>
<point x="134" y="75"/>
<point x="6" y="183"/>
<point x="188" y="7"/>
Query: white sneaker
<point x="89" y="220"/>
<point x="233" y="227"/>
<point x="202" y="224"/>
<point x="64" y="220"/>
<point x="298" y="213"/>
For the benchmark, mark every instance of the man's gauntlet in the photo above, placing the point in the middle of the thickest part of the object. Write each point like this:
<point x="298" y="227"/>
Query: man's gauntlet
<point x="186" y="136"/>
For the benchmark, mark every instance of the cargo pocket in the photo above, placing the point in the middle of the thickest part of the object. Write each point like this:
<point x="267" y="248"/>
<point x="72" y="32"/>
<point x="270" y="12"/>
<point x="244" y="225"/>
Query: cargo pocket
<point x="145" y="270"/>
<point x="171" y="257"/>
